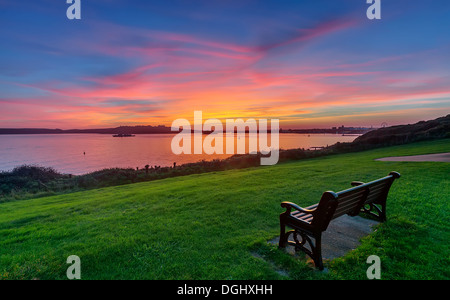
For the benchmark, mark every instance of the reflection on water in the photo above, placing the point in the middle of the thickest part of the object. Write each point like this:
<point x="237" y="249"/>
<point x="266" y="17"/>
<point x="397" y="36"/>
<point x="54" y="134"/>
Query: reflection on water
<point x="83" y="153"/>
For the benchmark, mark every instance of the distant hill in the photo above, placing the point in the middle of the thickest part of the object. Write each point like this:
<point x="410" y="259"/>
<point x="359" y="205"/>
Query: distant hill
<point x="117" y="130"/>
<point x="403" y="134"/>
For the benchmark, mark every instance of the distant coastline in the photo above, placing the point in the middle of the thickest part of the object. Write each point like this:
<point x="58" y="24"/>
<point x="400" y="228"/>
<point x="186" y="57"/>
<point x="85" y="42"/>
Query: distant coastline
<point x="438" y="128"/>
<point x="167" y="130"/>
<point x="117" y="130"/>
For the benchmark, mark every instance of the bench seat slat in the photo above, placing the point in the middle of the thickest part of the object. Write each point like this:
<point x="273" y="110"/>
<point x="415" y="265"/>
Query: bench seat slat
<point x="299" y="214"/>
<point x="308" y="219"/>
<point x="303" y="217"/>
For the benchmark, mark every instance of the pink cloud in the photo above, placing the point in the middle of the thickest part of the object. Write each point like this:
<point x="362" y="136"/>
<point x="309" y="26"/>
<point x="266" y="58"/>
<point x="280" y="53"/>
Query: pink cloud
<point x="178" y="73"/>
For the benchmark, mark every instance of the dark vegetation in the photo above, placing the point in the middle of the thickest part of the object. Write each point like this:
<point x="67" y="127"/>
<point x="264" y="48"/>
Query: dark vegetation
<point x="403" y="134"/>
<point x="34" y="181"/>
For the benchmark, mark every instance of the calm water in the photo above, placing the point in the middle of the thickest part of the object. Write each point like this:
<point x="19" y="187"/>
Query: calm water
<point x="65" y="152"/>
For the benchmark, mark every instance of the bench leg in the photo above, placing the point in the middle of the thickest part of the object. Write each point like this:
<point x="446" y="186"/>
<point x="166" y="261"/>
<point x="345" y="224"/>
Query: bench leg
<point x="300" y="240"/>
<point x="317" y="252"/>
<point x="283" y="237"/>
<point x="378" y="211"/>
<point x="383" y="217"/>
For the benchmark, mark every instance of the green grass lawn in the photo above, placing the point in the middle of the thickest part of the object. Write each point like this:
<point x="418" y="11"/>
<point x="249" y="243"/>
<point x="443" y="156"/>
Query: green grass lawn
<point x="216" y="225"/>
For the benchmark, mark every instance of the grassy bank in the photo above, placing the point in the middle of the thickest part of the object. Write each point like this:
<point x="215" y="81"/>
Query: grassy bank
<point x="216" y="225"/>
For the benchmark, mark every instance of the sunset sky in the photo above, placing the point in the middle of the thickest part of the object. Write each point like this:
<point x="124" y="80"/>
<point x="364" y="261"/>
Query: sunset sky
<point x="308" y="63"/>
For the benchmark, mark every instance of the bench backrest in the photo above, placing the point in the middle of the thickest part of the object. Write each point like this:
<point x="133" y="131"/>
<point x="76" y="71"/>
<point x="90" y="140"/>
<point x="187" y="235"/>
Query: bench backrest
<point x="379" y="189"/>
<point x="350" y="202"/>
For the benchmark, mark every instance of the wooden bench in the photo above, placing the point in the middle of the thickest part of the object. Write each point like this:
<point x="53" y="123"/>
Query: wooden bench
<point x="309" y="223"/>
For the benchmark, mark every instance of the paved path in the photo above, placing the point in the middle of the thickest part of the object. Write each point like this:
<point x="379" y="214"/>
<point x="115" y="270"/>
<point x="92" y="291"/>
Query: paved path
<point x="441" y="157"/>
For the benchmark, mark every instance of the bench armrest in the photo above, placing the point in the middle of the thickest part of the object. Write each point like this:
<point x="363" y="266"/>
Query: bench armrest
<point x="396" y="175"/>
<point x="357" y="183"/>
<point x="289" y="206"/>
